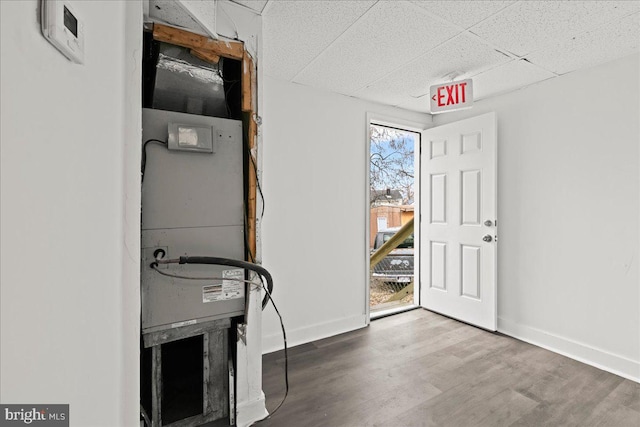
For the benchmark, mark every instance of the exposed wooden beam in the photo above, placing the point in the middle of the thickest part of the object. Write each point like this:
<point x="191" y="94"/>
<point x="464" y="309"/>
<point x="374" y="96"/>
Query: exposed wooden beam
<point x="227" y="49"/>
<point x="205" y="55"/>
<point x="252" y="193"/>
<point x="247" y="71"/>
<point x="249" y="96"/>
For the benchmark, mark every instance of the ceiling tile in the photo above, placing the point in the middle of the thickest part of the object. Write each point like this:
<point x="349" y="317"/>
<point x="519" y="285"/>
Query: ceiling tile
<point x="463" y="13"/>
<point x="295" y="32"/>
<point x="389" y="35"/>
<point x="421" y="104"/>
<point x="530" y="25"/>
<point x="256" y="5"/>
<point x="591" y="48"/>
<point x="461" y="57"/>
<point x="507" y="77"/>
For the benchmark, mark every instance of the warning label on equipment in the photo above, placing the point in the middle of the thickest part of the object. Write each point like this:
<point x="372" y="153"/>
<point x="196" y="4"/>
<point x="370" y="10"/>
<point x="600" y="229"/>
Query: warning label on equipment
<point x="231" y="287"/>
<point x="212" y="293"/>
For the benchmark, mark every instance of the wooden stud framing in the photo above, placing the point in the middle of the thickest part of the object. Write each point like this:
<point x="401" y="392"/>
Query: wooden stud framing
<point x="251" y="197"/>
<point x="249" y="86"/>
<point x="156" y="390"/>
<point x="227" y="49"/>
<point x="247" y="70"/>
<point x="205" y="55"/>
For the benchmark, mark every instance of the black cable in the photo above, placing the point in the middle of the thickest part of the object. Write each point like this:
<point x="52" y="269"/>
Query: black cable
<point x="144" y="153"/>
<point x="286" y="361"/>
<point x="262" y="272"/>
<point x="226" y="96"/>
<point x="234" y="263"/>
<point x="154" y="266"/>
<point x="246" y="237"/>
<point x="255" y="168"/>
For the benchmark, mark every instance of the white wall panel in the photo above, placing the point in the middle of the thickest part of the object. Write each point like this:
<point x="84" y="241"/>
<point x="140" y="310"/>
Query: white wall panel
<point x="70" y="214"/>
<point x="568" y="213"/>
<point x="313" y="239"/>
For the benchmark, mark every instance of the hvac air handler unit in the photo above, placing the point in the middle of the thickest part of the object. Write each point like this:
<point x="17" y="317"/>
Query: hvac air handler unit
<point x="192" y="206"/>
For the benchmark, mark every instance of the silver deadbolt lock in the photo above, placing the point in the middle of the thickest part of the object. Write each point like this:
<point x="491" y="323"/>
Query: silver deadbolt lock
<point x="488" y="223"/>
<point x="487" y="238"/>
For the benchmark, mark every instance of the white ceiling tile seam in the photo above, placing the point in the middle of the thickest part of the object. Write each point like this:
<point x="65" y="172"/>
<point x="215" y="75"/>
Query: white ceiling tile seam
<point x="406" y="64"/>
<point x="332" y="42"/>
<point x="295" y="32"/>
<point x="391" y="35"/>
<point x="390" y="52"/>
<point x="462" y="27"/>
<point x="245" y="7"/>
<point x="501" y="11"/>
<point x="430" y="51"/>
<point x="266" y="7"/>
<point x="419" y="56"/>
<point x="435" y="16"/>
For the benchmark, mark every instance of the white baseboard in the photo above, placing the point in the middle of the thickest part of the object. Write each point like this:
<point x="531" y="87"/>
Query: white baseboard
<point x="310" y="333"/>
<point x="248" y="413"/>
<point x="584" y="353"/>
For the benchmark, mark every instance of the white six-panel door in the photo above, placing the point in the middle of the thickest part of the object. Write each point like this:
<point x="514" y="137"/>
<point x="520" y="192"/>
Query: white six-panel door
<point x="458" y="220"/>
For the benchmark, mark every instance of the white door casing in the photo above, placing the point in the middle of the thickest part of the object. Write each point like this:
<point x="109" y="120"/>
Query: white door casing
<point x="458" y="182"/>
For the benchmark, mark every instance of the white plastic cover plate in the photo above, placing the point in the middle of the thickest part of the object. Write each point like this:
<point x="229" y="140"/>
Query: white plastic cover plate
<point x="187" y="137"/>
<point x="64" y="29"/>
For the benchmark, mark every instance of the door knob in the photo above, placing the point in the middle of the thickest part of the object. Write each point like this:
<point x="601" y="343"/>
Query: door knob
<point x="487" y="238"/>
<point x="488" y="223"/>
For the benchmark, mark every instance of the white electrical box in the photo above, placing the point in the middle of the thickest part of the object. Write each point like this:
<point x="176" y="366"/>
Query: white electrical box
<point x="187" y="137"/>
<point x="63" y="28"/>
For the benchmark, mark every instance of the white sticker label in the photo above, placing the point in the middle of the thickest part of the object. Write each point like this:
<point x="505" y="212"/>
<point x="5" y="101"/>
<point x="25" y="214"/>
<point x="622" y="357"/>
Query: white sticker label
<point x="229" y="289"/>
<point x="185" y="323"/>
<point x="212" y="293"/>
<point x="233" y="288"/>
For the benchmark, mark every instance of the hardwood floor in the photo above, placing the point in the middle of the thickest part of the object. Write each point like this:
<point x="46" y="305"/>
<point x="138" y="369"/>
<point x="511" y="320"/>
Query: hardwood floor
<point x="422" y="369"/>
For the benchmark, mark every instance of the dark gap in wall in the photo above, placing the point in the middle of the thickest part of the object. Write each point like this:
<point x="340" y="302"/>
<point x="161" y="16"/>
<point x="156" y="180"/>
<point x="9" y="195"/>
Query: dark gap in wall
<point x="182" y="379"/>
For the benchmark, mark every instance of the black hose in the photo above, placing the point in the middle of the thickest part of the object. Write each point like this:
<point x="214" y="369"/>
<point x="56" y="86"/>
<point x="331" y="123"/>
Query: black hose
<point x="234" y="263"/>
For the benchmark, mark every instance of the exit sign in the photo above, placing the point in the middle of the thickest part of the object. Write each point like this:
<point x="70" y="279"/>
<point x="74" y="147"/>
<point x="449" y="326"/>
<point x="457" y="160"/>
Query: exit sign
<point x="451" y="96"/>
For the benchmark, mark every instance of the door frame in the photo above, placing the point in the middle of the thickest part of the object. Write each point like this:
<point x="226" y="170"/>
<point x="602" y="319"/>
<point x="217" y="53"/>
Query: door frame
<point x="412" y="126"/>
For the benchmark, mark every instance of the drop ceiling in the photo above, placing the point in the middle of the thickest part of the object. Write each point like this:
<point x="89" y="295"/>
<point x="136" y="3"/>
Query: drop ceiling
<point x="392" y="51"/>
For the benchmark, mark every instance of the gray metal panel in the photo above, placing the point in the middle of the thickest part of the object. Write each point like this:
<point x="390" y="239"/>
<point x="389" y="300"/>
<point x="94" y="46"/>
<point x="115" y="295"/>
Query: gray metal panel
<point x="192" y="204"/>
<point x="184" y="189"/>
<point x="167" y="301"/>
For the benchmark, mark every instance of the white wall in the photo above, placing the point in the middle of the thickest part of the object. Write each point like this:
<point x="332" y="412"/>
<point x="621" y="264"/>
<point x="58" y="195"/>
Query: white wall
<point x="70" y="134"/>
<point x="313" y="232"/>
<point x="568" y="172"/>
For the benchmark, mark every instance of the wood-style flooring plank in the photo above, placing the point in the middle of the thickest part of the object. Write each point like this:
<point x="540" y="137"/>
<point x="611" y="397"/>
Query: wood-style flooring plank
<point x="420" y="369"/>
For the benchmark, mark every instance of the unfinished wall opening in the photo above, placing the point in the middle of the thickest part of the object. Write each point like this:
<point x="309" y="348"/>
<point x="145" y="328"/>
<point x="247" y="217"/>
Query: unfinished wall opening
<point x="391" y="210"/>
<point x="198" y="200"/>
